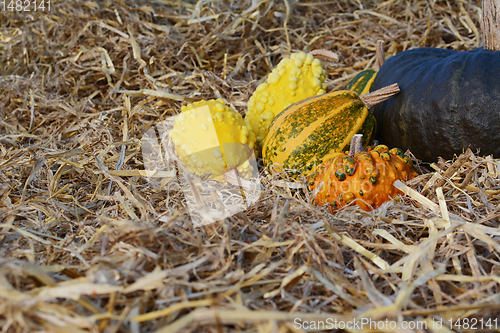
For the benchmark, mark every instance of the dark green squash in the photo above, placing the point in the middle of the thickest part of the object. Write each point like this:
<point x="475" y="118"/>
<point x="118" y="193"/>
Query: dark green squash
<point x="449" y="101"/>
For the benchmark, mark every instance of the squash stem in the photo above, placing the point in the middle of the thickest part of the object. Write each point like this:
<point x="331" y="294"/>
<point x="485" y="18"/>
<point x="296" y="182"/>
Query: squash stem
<point x="325" y="54"/>
<point x="379" y="54"/>
<point x="490" y="25"/>
<point x="356" y="145"/>
<point x="379" y="95"/>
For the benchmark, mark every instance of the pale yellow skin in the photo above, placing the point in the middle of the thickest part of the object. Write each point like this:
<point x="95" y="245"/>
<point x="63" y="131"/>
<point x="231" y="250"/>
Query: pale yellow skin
<point x="294" y="79"/>
<point x="210" y="136"/>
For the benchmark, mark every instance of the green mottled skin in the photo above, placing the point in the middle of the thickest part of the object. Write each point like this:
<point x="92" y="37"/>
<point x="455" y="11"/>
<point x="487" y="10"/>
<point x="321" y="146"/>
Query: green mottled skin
<point x="332" y="123"/>
<point x="361" y="84"/>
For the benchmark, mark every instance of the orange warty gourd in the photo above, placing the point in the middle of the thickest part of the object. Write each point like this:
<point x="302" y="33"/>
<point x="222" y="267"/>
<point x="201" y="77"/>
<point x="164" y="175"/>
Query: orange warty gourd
<point x="360" y="177"/>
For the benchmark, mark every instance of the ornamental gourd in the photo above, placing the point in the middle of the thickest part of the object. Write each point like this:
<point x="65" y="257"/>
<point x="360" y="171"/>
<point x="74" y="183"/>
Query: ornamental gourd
<point x="361" y="83"/>
<point x="303" y="135"/>
<point x="360" y="177"/>
<point x="295" y="78"/>
<point x="449" y="101"/>
<point x="210" y="136"/>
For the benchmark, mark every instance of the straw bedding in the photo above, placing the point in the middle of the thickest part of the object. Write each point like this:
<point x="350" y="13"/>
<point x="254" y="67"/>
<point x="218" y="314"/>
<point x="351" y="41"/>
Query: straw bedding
<point x="88" y="245"/>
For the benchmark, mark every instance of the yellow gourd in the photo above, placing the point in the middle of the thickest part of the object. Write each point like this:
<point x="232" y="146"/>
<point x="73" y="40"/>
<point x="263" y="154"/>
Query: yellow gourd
<point x="210" y="136"/>
<point x="295" y="78"/>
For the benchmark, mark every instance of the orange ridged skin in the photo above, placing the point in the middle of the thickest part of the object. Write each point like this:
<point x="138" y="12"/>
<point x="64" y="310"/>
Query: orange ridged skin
<point x="366" y="179"/>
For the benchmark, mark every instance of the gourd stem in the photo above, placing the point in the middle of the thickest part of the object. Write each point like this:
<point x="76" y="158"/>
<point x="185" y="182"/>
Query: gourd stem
<point x="379" y="54"/>
<point x="325" y="54"/>
<point x="356" y="145"/>
<point x="490" y="24"/>
<point x="379" y="95"/>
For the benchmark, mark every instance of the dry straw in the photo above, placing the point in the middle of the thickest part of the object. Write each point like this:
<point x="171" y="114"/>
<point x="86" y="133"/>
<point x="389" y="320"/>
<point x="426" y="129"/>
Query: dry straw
<point x="87" y="245"/>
